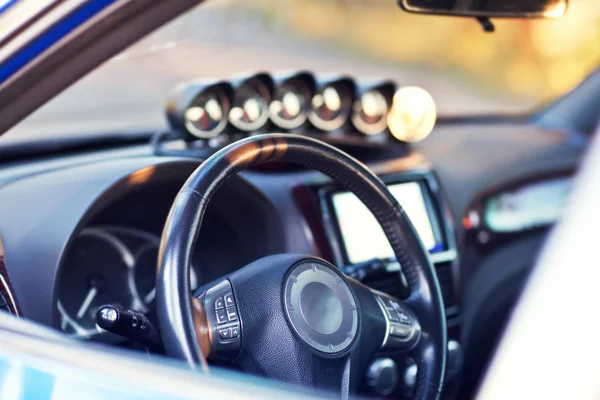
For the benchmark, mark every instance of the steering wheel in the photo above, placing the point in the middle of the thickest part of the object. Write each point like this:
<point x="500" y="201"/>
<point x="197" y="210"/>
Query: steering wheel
<point x="297" y="318"/>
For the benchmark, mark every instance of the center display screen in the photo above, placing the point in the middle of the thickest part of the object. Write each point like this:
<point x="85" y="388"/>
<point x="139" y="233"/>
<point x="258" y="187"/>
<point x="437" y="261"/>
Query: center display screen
<point x="362" y="237"/>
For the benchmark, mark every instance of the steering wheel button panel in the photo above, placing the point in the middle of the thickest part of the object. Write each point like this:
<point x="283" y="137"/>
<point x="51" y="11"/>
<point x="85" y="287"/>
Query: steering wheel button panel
<point x="402" y="327"/>
<point x="225" y="327"/>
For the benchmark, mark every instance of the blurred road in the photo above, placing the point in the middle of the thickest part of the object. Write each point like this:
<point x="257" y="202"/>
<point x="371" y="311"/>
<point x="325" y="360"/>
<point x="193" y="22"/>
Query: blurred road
<point x="127" y="93"/>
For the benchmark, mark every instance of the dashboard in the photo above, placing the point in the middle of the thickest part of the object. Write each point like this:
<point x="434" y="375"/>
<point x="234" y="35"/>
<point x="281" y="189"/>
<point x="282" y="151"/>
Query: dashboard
<point x="113" y="257"/>
<point x="82" y="230"/>
<point x="78" y="231"/>
<point x="77" y="243"/>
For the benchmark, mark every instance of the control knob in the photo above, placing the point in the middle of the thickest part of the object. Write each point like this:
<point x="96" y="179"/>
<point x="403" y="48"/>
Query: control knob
<point x="382" y="376"/>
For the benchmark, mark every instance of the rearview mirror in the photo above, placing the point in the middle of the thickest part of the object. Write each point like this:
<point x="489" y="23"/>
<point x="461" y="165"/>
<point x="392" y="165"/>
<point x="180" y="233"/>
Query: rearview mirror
<point x="488" y="8"/>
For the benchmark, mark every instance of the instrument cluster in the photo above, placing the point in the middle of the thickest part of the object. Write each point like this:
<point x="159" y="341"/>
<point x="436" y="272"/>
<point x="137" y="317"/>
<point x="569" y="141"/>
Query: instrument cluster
<point x="330" y="107"/>
<point x="108" y="265"/>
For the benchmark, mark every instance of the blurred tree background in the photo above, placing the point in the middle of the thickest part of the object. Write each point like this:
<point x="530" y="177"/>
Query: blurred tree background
<point x="534" y="59"/>
<point x="467" y="71"/>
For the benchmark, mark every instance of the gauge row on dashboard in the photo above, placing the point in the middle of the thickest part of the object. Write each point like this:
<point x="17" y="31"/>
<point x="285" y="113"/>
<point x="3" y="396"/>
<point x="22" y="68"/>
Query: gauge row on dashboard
<point x="300" y="102"/>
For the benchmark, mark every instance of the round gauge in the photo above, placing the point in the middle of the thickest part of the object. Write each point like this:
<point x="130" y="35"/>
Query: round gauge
<point x="112" y="265"/>
<point x="249" y="109"/>
<point x="94" y="273"/>
<point x="206" y="116"/>
<point x="331" y="107"/>
<point x="413" y="114"/>
<point x="370" y="113"/>
<point x="289" y="107"/>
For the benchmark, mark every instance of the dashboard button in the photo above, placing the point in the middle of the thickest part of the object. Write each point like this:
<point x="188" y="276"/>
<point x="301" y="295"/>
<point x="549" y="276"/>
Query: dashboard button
<point x="232" y="314"/>
<point x="393" y="315"/>
<point x="229" y="300"/>
<point x="225" y="333"/>
<point x="235" y="332"/>
<point x="404" y="318"/>
<point x="400" y="331"/>
<point x="221" y="317"/>
<point x="219" y="304"/>
<point x="392" y="304"/>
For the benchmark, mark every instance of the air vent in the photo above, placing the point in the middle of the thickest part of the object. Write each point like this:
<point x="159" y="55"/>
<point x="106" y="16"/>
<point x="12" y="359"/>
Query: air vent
<point x="444" y="274"/>
<point x="389" y="283"/>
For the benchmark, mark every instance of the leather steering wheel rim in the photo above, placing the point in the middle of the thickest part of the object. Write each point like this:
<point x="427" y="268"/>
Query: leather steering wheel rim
<point x="177" y="317"/>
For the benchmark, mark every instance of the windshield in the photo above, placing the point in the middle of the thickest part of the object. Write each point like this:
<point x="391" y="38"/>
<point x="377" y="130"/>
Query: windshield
<point x="468" y="72"/>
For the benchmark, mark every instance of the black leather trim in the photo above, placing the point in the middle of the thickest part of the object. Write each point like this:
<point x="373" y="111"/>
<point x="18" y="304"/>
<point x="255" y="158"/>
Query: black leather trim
<point x="179" y="236"/>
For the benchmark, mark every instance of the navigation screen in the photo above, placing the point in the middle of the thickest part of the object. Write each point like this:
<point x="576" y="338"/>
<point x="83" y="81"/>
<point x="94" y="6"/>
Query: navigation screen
<point x="362" y="236"/>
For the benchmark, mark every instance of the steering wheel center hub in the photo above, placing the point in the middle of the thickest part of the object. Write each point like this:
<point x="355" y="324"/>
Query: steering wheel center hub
<point x="320" y="307"/>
